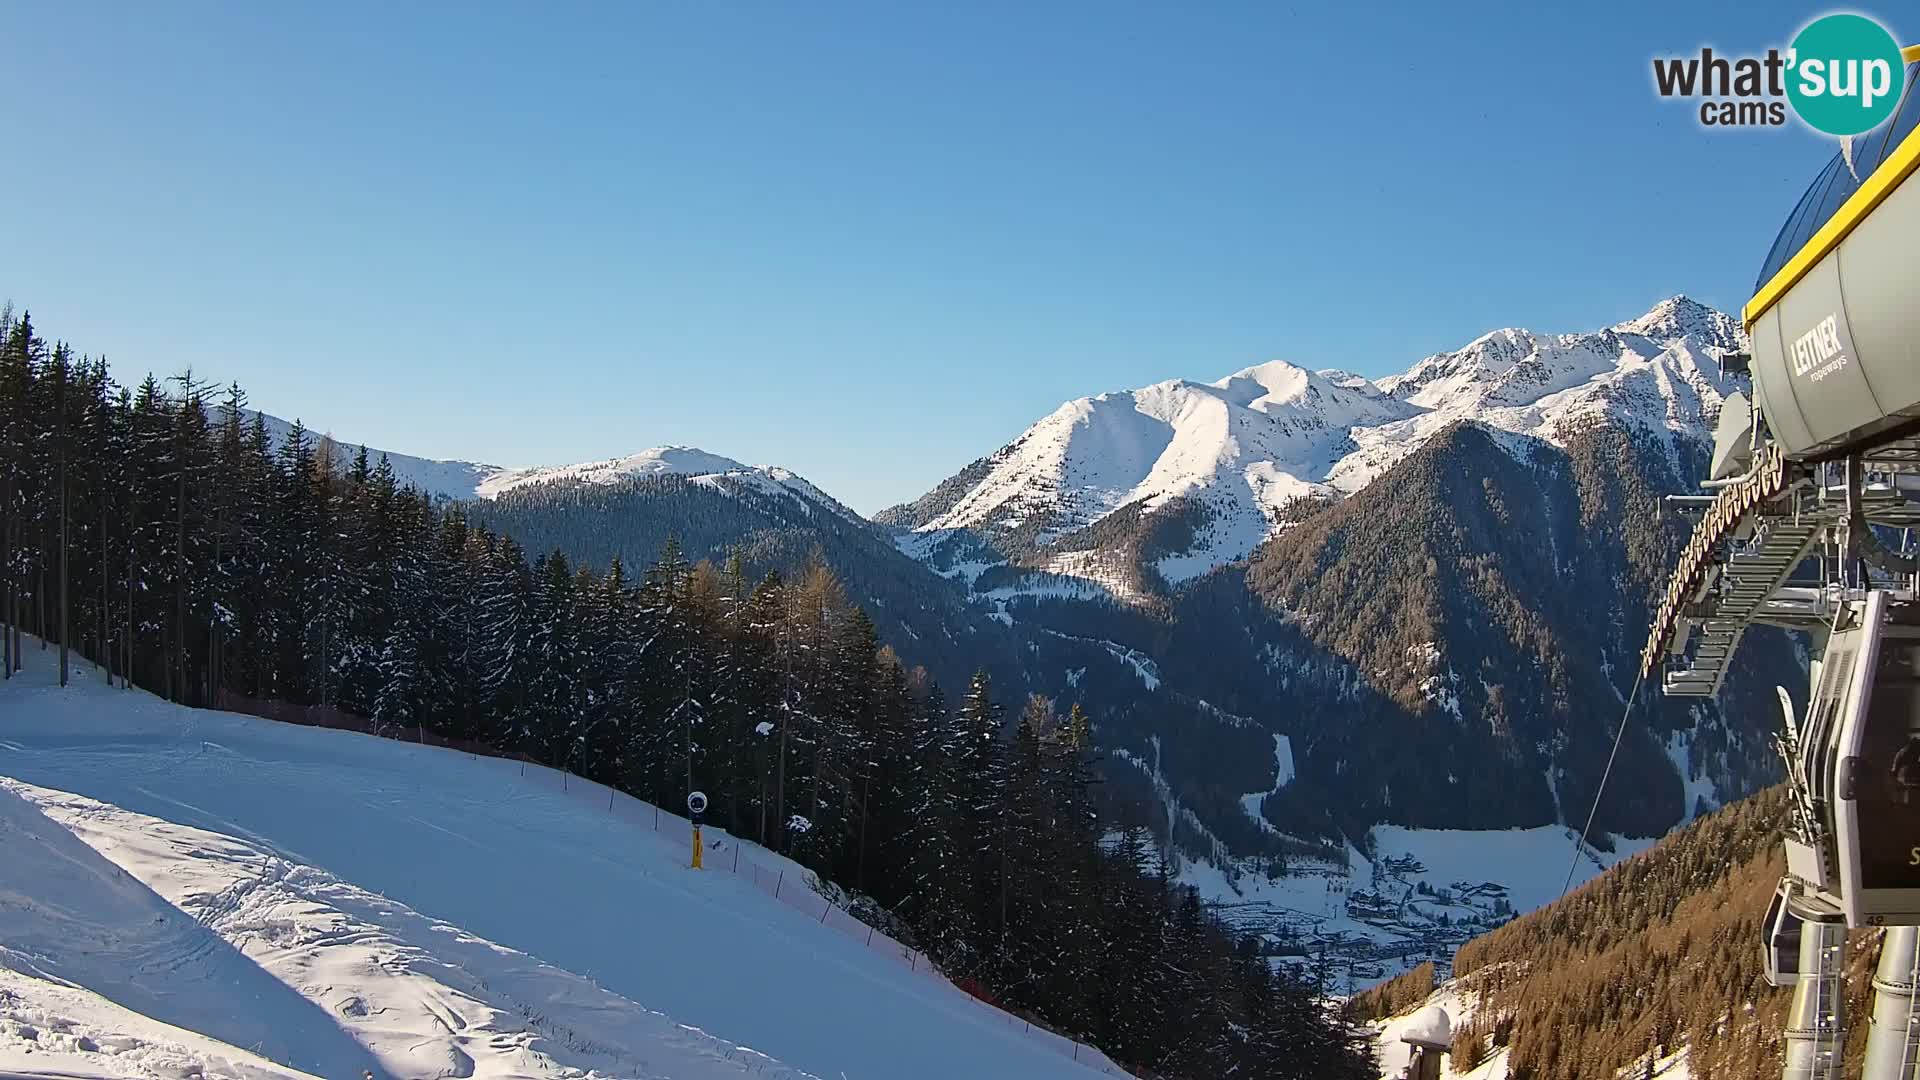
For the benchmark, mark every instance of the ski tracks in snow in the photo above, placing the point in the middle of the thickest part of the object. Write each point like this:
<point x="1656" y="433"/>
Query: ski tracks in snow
<point x="425" y="998"/>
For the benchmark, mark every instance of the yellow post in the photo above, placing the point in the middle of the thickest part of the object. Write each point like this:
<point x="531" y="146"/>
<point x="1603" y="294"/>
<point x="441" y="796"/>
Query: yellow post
<point x="696" y="845"/>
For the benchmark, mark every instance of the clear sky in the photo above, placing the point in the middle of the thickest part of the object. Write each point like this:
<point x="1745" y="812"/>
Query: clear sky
<point x="868" y="242"/>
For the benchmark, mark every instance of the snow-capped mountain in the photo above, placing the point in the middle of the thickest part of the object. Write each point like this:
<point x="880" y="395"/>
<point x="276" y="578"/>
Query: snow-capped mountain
<point x="709" y="470"/>
<point x="1659" y="373"/>
<point x="1244" y="447"/>
<point x="441" y="479"/>
<point x="1231" y="456"/>
<point x="660" y="460"/>
<point x="475" y="480"/>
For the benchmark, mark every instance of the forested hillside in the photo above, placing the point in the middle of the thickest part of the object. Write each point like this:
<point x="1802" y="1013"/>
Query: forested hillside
<point x="1659" y="953"/>
<point x="1449" y="581"/>
<point x="722" y="516"/>
<point x="1479" y="606"/>
<point x="157" y="533"/>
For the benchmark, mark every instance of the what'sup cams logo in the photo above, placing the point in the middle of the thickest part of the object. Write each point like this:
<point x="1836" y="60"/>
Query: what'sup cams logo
<point x="1842" y="76"/>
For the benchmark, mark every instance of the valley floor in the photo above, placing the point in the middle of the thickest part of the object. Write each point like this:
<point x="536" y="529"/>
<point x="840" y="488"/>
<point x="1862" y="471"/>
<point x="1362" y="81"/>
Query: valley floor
<point x="1425" y="892"/>
<point x="196" y="894"/>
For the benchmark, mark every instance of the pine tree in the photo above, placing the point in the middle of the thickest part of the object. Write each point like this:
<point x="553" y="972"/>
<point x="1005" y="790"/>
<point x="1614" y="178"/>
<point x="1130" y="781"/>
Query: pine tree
<point x="14" y="381"/>
<point x="978" y="779"/>
<point x="885" y="853"/>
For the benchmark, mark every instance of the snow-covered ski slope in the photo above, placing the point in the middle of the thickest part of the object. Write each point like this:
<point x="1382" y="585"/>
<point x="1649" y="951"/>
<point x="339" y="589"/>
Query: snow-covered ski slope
<point x="195" y="893"/>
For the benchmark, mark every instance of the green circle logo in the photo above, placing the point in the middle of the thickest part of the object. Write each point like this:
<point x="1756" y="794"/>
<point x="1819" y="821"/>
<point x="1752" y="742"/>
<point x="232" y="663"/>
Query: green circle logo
<point x="1846" y="74"/>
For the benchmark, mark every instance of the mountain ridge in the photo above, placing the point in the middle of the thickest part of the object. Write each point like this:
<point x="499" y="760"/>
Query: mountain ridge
<point x="461" y="480"/>
<point x="1244" y="450"/>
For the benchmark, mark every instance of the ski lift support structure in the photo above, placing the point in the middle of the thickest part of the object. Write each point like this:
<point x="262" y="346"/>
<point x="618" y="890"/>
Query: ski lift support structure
<point x="1813" y="499"/>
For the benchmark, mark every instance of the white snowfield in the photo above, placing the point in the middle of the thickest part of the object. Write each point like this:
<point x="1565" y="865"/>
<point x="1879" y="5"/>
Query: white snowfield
<point x="1248" y="444"/>
<point x="187" y="893"/>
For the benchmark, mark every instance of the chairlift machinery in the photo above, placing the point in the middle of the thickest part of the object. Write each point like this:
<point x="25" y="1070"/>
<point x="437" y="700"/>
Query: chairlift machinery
<point x="1815" y="483"/>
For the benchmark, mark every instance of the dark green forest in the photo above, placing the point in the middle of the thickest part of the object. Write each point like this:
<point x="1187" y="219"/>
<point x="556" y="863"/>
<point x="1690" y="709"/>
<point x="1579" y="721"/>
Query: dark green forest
<point x="159" y="533"/>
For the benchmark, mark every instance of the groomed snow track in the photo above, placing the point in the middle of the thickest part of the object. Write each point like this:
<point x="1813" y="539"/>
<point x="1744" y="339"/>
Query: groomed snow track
<point x="238" y="897"/>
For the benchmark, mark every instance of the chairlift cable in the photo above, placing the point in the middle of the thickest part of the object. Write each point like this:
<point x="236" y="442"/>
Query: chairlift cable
<point x="1574" y="863"/>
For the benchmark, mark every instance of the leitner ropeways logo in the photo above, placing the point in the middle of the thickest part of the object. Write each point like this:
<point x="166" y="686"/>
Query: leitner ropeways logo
<point x="1842" y="76"/>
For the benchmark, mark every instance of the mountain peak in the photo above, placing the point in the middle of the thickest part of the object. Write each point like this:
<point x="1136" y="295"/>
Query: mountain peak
<point x="1681" y="316"/>
<point x="657" y="461"/>
<point x="1272" y="373"/>
<point x="1273" y="382"/>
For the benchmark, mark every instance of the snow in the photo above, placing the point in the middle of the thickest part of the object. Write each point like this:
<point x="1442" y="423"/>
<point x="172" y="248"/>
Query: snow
<point x="475" y="480"/>
<point x="1249" y="444"/>
<point x="1143" y="666"/>
<point x="1660" y="372"/>
<point x="1530" y="863"/>
<point x="1370" y="912"/>
<point x="1672" y="1067"/>
<point x="724" y="475"/>
<point x="56" y="1029"/>
<point x="1698" y="787"/>
<point x="968" y="570"/>
<point x="1429" y="1025"/>
<point x="195" y="893"/>
<point x="222" y="930"/>
<point x="1094" y="455"/>
<point x="444" y="479"/>
<point x="1097" y="568"/>
<point x="1455" y="1008"/>
<point x="1283" y="775"/>
<point x="1392" y="1051"/>
<point x="661" y="460"/>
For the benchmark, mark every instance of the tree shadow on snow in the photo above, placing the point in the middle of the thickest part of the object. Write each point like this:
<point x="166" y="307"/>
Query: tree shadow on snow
<point x="69" y="913"/>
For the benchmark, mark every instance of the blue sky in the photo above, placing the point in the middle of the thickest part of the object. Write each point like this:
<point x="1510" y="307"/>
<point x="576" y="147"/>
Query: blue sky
<point x="870" y="242"/>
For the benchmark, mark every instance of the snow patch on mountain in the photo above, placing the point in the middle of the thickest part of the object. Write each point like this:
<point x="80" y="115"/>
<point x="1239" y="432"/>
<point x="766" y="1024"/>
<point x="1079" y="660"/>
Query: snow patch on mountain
<point x="1699" y="789"/>
<point x="1283" y="775"/>
<point x="1101" y="568"/>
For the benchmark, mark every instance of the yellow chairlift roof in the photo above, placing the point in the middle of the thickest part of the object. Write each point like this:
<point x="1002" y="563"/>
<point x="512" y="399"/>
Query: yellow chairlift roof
<point x="1893" y="169"/>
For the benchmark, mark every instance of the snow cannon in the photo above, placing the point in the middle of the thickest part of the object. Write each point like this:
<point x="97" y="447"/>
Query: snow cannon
<point x="1427" y="1037"/>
